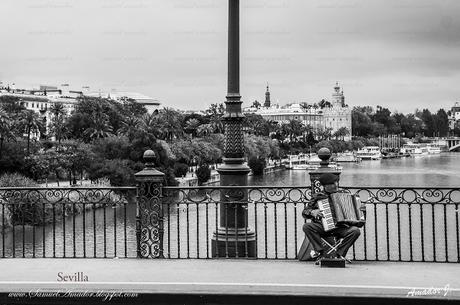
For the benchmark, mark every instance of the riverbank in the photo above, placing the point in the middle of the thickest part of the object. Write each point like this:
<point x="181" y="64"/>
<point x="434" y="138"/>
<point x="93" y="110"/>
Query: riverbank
<point x="191" y="180"/>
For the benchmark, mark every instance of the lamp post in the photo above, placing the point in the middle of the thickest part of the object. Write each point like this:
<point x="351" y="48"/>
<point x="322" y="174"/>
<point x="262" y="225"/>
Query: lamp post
<point x="233" y="238"/>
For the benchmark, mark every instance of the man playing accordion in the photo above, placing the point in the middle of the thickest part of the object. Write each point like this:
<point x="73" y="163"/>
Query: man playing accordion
<point x="314" y="230"/>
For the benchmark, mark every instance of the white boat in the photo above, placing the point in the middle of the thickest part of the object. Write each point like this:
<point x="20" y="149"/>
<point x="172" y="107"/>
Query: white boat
<point x="433" y="149"/>
<point x="347" y="157"/>
<point x="369" y="153"/>
<point x="306" y="162"/>
<point x="315" y="162"/>
<point x="299" y="161"/>
<point x="415" y="149"/>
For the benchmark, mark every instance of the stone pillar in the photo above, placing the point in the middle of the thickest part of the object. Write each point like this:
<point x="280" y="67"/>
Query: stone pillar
<point x="149" y="214"/>
<point x="233" y="238"/>
<point x="324" y="154"/>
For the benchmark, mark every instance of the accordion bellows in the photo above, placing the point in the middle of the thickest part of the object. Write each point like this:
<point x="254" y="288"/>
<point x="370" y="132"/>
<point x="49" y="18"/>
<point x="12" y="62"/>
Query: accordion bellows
<point x="342" y="208"/>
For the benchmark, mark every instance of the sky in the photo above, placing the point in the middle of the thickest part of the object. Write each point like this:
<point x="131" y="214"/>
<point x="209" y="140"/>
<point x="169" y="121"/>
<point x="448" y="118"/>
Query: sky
<point x="399" y="54"/>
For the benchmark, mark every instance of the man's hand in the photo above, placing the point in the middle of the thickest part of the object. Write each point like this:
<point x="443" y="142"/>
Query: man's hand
<point x="317" y="214"/>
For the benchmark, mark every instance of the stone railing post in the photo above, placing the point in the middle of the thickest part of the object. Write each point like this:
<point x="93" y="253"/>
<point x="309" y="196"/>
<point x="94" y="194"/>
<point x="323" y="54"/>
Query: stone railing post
<point x="149" y="214"/>
<point x="324" y="154"/>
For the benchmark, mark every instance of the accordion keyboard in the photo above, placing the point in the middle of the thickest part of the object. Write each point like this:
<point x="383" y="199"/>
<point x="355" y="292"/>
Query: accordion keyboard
<point x="327" y="220"/>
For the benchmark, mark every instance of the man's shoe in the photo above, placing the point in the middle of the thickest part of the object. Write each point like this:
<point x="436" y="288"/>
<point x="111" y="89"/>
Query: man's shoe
<point x="318" y="259"/>
<point x="314" y="254"/>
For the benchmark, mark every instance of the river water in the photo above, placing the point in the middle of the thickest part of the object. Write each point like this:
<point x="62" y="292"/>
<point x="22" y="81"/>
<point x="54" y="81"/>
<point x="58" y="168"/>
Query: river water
<point x="425" y="171"/>
<point x="279" y="226"/>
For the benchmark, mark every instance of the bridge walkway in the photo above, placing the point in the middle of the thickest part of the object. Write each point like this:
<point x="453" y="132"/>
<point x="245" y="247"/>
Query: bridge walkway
<point x="400" y="280"/>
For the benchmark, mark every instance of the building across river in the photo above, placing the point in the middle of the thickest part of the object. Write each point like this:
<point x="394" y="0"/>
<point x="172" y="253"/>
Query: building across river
<point x="333" y="115"/>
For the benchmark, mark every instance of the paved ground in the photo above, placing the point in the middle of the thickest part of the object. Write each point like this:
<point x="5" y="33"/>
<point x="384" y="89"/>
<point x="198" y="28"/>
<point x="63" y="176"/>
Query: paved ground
<point x="361" y="279"/>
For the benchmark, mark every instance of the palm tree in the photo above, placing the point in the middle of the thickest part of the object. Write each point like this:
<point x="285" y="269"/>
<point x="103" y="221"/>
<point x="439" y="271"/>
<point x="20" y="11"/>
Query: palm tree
<point x="192" y="126"/>
<point x="150" y="126"/>
<point x="57" y="109"/>
<point x="295" y="128"/>
<point x="171" y="122"/>
<point x="204" y="130"/>
<point x="342" y="132"/>
<point x="30" y="122"/>
<point x="129" y="127"/>
<point x="6" y="129"/>
<point x="58" y="127"/>
<point x="101" y="127"/>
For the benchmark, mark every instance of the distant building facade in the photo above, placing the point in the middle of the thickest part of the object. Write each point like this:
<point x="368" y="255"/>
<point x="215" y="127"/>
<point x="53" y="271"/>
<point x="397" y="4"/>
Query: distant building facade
<point x="335" y="116"/>
<point x="41" y="99"/>
<point x="454" y="118"/>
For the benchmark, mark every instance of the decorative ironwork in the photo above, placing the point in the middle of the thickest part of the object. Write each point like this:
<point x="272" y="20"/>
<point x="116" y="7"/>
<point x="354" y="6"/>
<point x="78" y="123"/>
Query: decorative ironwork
<point x="406" y="195"/>
<point x="234" y="138"/>
<point x="74" y="217"/>
<point x="403" y="224"/>
<point x="150" y="220"/>
<point x="149" y="214"/>
<point x="398" y="220"/>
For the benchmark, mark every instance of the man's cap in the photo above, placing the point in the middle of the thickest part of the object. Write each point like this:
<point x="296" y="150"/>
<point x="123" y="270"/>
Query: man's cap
<point x="328" y="178"/>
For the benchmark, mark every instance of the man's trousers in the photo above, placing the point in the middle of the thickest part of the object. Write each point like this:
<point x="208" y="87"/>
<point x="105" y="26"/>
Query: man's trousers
<point x="314" y="231"/>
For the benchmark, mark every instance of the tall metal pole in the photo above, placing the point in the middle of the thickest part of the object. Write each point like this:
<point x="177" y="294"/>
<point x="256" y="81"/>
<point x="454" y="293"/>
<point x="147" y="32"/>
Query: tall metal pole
<point x="233" y="237"/>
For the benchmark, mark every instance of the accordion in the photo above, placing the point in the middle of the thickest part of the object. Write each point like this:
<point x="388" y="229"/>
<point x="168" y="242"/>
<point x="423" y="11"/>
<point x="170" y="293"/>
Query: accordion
<point x="341" y="208"/>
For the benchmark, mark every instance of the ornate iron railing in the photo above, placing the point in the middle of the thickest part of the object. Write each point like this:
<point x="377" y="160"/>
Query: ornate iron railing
<point x="403" y="224"/>
<point x="68" y="222"/>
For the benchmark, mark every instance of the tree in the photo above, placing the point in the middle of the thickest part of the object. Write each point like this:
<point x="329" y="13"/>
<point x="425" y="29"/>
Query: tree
<point x="203" y="173"/>
<point x="101" y="116"/>
<point x="441" y="123"/>
<point x="129" y="127"/>
<point x="191" y="126"/>
<point x="132" y="108"/>
<point x="170" y="124"/>
<point x="57" y="109"/>
<point x="6" y="129"/>
<point x="58" y="127"/>
<point x="324" y="134"/>
<point x="30" y="122"/>
<point x="257" y="165"/>
<point x="11" y="104"/>
<point x="341" y="133"/>
<point x="323" y="104"/>
<point x="100" y="128"/>
<point x="310" y="139"/>
<point x="204" y="130"/>
<point x="361" y="122"/>
<point x="428" y="123"/>
<point x="214" y="114"/>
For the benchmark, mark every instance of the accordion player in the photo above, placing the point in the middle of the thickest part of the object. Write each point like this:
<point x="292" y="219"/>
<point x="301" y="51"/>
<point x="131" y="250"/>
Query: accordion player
<point x="332" y="213"/>
<point x="341" y="208"/>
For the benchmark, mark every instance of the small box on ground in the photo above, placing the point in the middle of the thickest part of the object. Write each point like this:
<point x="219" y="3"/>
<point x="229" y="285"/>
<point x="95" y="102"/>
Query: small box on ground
<point x="332" y="263"/>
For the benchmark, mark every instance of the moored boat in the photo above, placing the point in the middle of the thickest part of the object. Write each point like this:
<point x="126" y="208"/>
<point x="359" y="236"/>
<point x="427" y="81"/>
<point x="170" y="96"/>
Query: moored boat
<point x="369" y="153"/>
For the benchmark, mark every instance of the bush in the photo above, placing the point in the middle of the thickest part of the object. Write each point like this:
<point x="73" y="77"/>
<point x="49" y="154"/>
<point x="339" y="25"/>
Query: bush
<point x="180" y="169"/>
<point x="16" y="180"/>
<point x="20" y="204"/>
<point x="257" y="166"/>
<point x="203" y="173"/>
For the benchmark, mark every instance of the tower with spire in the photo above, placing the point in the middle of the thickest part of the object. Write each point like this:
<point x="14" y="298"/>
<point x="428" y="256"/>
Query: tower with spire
<point x="267" y="103"/>
<point x="338" y="99"/>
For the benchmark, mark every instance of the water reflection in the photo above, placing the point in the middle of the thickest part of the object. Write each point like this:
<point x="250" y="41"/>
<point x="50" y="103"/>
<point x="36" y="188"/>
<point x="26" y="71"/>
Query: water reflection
<point x="428" y="171"/>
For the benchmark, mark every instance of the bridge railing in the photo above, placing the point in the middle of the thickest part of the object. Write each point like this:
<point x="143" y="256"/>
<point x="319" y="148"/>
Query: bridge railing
<point x="402" y="224"/>
<point x="68" y="222"/>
